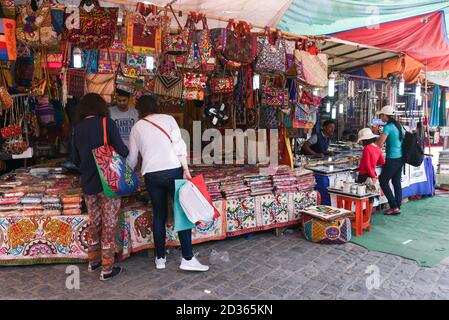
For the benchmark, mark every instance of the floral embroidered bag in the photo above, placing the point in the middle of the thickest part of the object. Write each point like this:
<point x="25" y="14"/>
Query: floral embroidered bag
<point x="272" y="57"/>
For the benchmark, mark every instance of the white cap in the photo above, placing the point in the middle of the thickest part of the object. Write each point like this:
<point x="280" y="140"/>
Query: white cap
<point x="387" y="110"/>
<point x="366" y="134"/>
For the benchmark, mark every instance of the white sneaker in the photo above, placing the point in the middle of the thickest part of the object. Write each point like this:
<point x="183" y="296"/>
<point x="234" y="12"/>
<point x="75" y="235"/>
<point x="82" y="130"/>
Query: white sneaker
<point x="192" y="265"/>
<point x="160" y="263"/>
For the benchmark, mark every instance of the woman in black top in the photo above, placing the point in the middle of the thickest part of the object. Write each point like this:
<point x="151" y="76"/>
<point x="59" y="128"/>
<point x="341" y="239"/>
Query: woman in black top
<point x="103" y="211"/>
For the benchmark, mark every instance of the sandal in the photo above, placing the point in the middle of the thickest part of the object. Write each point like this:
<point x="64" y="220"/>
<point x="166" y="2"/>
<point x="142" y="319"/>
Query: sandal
<point x="392" y="212"/>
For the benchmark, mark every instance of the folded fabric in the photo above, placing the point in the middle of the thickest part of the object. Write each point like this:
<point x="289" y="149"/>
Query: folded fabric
<point x="71" y="212"/>
<point x="52" y="206"/>
<point x="51" y="199"/>
<point x="9" y="201"/>
<point x="13" y="194"/>
<point x="72" y="205"/>
<point x="33" y="207"/>
<point x="12" y="207"/>
<point x="32" y="212"/>
<point x="52" y="212"/>
<point x="30" y="200"/>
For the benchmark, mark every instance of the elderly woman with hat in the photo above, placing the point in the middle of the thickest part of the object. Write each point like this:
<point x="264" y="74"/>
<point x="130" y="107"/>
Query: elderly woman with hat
<point x="392" y="136"/>
<point x="371" y="157"/>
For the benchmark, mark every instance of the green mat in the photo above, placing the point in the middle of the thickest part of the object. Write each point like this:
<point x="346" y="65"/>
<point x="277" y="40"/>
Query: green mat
<point x="420" y="232"/>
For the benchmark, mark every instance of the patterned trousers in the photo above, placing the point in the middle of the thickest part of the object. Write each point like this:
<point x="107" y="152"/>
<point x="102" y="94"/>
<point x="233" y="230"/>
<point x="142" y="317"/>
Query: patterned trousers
<point x="103" y="228"/>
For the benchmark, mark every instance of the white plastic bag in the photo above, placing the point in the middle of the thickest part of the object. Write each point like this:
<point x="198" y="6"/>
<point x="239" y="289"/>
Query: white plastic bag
<point x="195" y="206"/>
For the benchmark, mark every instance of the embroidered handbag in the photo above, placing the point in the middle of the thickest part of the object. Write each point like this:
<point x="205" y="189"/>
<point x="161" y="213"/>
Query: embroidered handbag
<point x="8" y="40"/>
<point x="96" y="28"/>
<point x="239" y="44"/>
<point x="269" y="118"/>
<point x="194" y="86"/>
<point x="272" y="57"/>
<point x="312" y="69"/>
<point x="176" y="43"/>
<point x="168" y="86"/>
<point x="102" y="84"/>
<point x="200" y="46"/>
<point x="45" y="114"/>
<point x="117" y="177"/>
<point x="275" y="97"/>
<point x="76" y="82"/>
<point x="6" y="101"/>
<point x="126" y="78"/>
<point x="143" y="37"/>
<point x="222" y="85"/>
<point x="35" y="28"/>
<point x="110" y="58"/>
<point x="8" y="9"/>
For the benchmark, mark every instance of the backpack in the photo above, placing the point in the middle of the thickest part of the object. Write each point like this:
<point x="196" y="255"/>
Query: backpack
<point x="412" y="151"/>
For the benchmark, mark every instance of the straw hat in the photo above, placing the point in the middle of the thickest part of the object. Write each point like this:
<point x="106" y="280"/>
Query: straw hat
<point x="366" y="134"/>
<point x="387" y="110"/>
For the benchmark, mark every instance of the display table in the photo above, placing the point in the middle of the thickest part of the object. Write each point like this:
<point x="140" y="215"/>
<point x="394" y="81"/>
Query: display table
<point x="417" y="181"/>
<point x="62" y="239"/>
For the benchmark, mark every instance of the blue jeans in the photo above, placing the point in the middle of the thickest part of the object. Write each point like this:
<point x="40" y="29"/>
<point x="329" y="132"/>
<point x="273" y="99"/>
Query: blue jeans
<point x="392" y="170"/>
<point x="160" y="184"/>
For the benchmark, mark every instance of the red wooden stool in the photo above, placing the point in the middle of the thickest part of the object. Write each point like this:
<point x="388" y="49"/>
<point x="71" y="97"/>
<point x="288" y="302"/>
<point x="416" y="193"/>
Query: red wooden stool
<point x="361" y="221"/>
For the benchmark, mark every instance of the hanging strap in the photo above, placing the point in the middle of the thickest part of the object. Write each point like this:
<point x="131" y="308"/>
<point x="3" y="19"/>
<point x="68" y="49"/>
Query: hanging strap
<point x="160" y="128"/>
<point x="105" y="134"/>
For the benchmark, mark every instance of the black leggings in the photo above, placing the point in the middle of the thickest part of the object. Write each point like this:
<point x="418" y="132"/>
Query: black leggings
<point x="161" y="184"/>
<point x="392" y="170"/>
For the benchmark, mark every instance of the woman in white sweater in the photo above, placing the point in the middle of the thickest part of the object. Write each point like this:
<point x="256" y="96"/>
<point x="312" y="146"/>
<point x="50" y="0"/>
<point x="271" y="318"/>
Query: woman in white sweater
<point x="157" y="138"/>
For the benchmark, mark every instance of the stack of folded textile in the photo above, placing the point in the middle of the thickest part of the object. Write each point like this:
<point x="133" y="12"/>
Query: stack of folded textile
<point x="214" y="190"/>
<point x="9" y="205"/>
<point x="285" y="182"/>
<point x="51" y="205"/>
<point x="259" y="184"/>
<point x="32" y="203"/>
<point x="71" y="204"/>
<point x="235" y="188"/>
<point x="306" y="182"/>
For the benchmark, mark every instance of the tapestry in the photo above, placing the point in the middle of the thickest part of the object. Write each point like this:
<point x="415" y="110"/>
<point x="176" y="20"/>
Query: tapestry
<point x="43" y="239"/>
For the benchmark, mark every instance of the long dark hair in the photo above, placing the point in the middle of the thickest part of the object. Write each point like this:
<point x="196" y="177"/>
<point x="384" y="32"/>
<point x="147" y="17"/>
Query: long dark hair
<point x="392" y="120"/>
<point x="91" y="104"/>
<point x="147" y="105"/>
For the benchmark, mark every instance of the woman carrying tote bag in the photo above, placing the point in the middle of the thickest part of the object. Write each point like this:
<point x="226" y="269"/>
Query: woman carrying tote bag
<point x="157" y="138"/>
<point x="103" y="211"/>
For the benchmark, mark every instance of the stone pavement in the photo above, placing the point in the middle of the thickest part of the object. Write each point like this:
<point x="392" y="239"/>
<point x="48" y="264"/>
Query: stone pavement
<point x="260" y="267"/>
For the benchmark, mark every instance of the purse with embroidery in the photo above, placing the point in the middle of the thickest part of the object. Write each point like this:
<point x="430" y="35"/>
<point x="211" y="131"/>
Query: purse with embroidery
<point x="142" y="34"/>
<point x="8" y="40"/>
<point x="177" y="43"/>
<point x="194" y="86"/>
<point x="110" y="58"/>
<point x="275" y="97"/>
<point x="8" y="9"/>
<point x="222" y="85"/>
<point x="168" y="81"/>
<point x="35" y="28"/>
<point x="126" y="78"/>
<point x="312" y="69"/>
<point x="96" y="28"/>
<point x="269" y="118"/>
<point x="200" y="47"/>
<point x="272" y="57"/>
<point x="239" y="44"/>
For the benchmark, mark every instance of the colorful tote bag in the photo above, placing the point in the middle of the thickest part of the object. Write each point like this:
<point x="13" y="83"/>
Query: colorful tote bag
<point x="272" y="57"/>
<point x="177" y="43"/>
<point x="200" y="50"/>
<point x="96" y="28"/>
<point x="35" y="28"/>
<point x="8" y="50"/>
<point x="117" y="177"/>
<point x="326" y="232"/>
<point x="222" y="85"/>
<point x="239" y="44"/>
<point x="142" y="37"/>
<point x="269" y="118"/>
<point x="313" y="68"/>
<point x="108" y="62"/>
<point x="194" y="86"/>
<point x="275" y="97"/>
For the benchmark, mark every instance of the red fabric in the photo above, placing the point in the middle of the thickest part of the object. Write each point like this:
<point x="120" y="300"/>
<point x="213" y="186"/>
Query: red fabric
<point x="199" y="182"/>
<point x="372" y="156"/>
<point x="423" y="41"/>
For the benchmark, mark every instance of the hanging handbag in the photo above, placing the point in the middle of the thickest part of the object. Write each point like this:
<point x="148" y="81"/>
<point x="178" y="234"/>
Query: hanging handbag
<point x="76" y="82"/>
<point x="275" y="97"/>
<point x="168" y="81"/>
<point x="8" y="45"/>
<point x="312" y="69"/>
<point x="142" y="37"/>
<point x="272" y="57"/>
<point x="222" y="85"/>
<point x="6" y="101"/>
<point x="194" y="86"/>
<point x="269" y="118"/>
<point x="200" y="47"/>
<point x="35" y="28"/>
<point x="126" y="78"/>
<point x="117" y="177"/>
<point x="45" y="112"/>
<point x="176" y="44"/>
<point x="239" y="44"/>
<point x="96" y="28"/>
<point x="110" y="58"/>
<point x="8" y="9"/>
